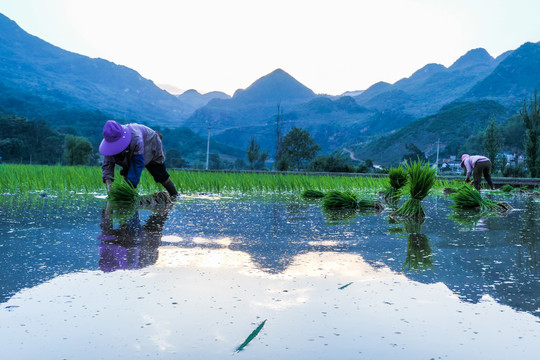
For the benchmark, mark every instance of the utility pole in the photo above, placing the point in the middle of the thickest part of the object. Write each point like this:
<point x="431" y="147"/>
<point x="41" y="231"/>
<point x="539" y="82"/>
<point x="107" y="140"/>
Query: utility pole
<point x="437" y="161"/>
<point x="208" y="147"/>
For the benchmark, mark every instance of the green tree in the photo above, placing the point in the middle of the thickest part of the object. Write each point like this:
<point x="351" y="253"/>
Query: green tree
<point x="214" y="162"/>
<point x="300" y="147"/>
<point x="174" y="159"/>
<point x="492" y="142"/>
<point x="284" y="163"/>
<point x="77" y="150"/>
<point x="263" y="155"/>
<point x="531" y="118"/>
<point x="252" y="153"/>
<point x="11" y="149"/>
<point x="414" y="153"/>
<point x="240" y="164"/>
<point x="337" y="161"/>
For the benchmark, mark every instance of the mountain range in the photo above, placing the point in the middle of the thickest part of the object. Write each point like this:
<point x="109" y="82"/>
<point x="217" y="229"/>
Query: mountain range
<point x="41" y="81"/>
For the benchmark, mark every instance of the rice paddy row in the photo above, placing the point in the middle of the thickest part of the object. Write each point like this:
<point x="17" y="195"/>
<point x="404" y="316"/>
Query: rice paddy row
<point x="15" y="179"/>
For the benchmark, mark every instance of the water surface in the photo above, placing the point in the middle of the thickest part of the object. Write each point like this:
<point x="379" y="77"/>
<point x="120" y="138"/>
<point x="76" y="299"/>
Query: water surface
<point x="194" y="280"/>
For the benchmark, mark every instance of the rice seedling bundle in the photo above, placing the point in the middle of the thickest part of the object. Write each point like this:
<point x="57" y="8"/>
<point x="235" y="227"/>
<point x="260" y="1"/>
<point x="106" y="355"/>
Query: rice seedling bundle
<point x="467" y="197"/>
<point x="421" y="179"/>
<point x="122" y="191"/>
<point x="340" y="200"/>
<point x="312" y="194"/>
<point x="507" y="188"/>
<point x="397" y="178"/>
<point x="335" y="200"/>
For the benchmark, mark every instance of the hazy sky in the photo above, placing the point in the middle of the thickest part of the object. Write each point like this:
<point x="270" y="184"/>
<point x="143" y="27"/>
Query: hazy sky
<point x="330" y="46"/>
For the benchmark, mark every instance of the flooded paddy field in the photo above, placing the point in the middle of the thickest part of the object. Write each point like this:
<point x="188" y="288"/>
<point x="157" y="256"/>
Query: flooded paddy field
<point x="194" y="280"/>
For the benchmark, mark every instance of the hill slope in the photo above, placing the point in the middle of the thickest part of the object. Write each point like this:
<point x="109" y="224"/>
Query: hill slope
<point x="452" y="125"/>
<point x="515" y="78"/>
<point x="31" y="66"/>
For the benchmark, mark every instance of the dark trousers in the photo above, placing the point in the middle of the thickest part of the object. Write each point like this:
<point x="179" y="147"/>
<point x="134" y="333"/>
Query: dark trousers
<point x="482" y="167"/>
<point x="157" y="170"/>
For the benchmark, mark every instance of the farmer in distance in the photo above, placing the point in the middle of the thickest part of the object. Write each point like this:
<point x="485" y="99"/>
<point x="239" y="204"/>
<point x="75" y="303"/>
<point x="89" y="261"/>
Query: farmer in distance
<point x="477" y="165"/>
<point x="133" y="147"/>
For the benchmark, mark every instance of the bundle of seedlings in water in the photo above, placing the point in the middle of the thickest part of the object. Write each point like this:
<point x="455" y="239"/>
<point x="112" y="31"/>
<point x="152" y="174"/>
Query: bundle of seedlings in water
<point x="397" y="180"/>
<point x="312" y="194"/>
<point x="122" y="192"/>
<point x="468" y="198"/>
<point x="449" y="190"/>
<point x="507" y="188"/>
<point x="421" y="180"/>
<point x="336" y="200"/>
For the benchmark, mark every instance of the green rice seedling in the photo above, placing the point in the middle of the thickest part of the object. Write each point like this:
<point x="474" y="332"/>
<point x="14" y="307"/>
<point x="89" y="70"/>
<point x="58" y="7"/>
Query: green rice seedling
<point x="312" y="194"/>
<point x="123" y="192"/>
<point x="340" y="200"/>
<point x="347" y="200"/>
<point x="17" y="178"/>
<point x="507" y="188"/>
<point x="449" y="190"/>
<point x="467" y="197"/>
<point x="397" y="178"/>
<point x="421" y="179"/>
<point x="251" y="336"/>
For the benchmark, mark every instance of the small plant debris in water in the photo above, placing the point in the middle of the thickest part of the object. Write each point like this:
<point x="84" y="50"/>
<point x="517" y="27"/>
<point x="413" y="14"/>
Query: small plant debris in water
<point x="251" y="337"/>
<point x="421" y="179"/>
<point x="344" y="286"/>
<point x="312" y="194"/>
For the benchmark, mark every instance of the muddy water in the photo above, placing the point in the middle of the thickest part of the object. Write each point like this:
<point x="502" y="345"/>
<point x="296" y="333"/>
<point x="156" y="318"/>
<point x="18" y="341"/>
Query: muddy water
<point x="83" y="281"/>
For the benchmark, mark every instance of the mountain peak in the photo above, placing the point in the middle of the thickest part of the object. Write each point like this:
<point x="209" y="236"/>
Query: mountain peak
<point x="473" y="57"/>
<point x="275" y="87"/>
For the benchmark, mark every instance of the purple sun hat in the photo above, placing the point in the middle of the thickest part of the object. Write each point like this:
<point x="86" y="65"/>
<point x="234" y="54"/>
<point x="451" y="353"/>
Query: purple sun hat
<point x="116" y="138"/>
<point x="463" y="158"/>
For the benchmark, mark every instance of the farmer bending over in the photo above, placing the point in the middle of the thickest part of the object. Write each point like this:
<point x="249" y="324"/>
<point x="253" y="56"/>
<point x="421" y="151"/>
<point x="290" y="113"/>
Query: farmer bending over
<point x="133" y="147"/>
<point x="477" y="165"/>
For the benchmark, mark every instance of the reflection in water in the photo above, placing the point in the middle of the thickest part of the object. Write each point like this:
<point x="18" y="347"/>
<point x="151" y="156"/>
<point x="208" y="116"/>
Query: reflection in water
<point x="475" y="220"/>
<point x="529" y="236"/>
<point x="131" y="245"/>
<point x="501" y="262"/>
<point x="419" y="253"/>
<point x="198" y="303"/>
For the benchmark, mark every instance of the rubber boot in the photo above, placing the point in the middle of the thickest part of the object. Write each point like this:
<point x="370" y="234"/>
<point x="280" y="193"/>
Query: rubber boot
<point x="171" y="189"/>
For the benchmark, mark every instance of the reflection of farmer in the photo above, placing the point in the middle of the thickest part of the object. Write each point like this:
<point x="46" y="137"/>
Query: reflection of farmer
<point x="477" y="165"/>
<point x="133" y="147"/>
<point x="131" y="246"/>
